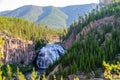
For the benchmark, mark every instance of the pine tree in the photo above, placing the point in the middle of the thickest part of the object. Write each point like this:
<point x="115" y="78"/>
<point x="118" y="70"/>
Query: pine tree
<point x="9" y="72"/>
<point x="33" y="76"/>
<point x="19" y="75"/>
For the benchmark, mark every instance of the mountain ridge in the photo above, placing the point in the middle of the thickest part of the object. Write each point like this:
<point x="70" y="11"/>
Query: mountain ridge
<point x="55" y="17"/>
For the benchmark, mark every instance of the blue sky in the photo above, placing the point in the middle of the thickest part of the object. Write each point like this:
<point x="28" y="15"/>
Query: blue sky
<point x="13" y="4"/>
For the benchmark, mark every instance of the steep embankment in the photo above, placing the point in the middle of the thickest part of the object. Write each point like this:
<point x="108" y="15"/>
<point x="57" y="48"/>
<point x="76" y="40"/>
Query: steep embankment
<point x="22" y="38"/>
<point x="74" y="36"/>
<point x="73" y="42"/>
<point x="95" y="15"/>
<point x="17" y="51"/>
<point x="91" y="41"/>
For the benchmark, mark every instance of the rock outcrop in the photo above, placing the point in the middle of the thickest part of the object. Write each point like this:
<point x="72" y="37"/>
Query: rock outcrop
<point x="54" y="39"/>
<point x="70" y="40"/>
<point x="17" y="51"/>
<point x="97" y="23"/>
<point x="75" y="36"/>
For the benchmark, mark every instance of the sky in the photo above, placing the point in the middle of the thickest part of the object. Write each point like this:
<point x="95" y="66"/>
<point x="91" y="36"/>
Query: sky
<point x="13" y="4"/>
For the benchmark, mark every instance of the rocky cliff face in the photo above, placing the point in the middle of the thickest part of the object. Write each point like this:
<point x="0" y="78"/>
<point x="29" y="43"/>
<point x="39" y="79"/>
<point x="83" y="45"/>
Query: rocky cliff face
<point x="17" y="51"/>
<point x="75" y="36"/>
<point x="54" y="39"/>
<point x="70" y="40"/>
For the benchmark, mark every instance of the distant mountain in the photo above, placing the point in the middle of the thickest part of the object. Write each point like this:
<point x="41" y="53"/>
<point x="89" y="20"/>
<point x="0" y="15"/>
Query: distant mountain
<point x="55" y="17"/>
<point x="74" y="11"/>
<point x="28" y="12"/>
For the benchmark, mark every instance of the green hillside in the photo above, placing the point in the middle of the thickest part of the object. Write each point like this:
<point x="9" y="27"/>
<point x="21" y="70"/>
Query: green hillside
<point x="20" y="28"/>
<point x="100" y="43"/>
<point x="77" y="10"/>
<point x="94" y="55"/>
<point x="30" y="14"/>
<point x="55" y="18"/>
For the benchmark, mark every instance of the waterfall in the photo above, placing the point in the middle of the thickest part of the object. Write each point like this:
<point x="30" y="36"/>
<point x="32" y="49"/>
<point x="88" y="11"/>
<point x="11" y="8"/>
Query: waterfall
<point x="49" y="54"/>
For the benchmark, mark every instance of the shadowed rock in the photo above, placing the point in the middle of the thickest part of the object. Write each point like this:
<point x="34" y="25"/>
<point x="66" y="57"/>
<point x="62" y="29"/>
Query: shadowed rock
<point x="17" y="51"/>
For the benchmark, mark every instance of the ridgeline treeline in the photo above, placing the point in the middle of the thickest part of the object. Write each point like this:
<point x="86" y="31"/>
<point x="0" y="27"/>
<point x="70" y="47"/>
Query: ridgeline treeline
<point x="23" y="29"/>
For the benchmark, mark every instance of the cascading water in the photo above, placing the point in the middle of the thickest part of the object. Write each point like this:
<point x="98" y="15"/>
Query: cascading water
<point x="49" y="54"/>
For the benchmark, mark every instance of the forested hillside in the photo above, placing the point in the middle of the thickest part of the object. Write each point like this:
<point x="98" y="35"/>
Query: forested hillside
<point x="98" y="41"/>
<point x="53" y="17"/>
<point x="20" y="41"/>
<point x="25" y="30"/>
<point x="77" y="10"/>
<point x="93" y="54"/>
